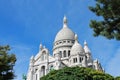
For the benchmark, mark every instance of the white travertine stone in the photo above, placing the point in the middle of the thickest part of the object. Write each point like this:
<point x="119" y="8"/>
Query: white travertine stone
<point x="67" y="51"/>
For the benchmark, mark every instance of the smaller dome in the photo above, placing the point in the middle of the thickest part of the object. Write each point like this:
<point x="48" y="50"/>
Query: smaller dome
<point x="76" y="48"/>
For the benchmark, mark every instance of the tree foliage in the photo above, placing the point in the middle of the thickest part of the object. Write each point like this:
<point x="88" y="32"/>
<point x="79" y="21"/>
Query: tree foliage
<point x="109" y="26"/>
<point x="7" y="61"/>
<point x="117" y="78"/>
<point x="77" y="73"/>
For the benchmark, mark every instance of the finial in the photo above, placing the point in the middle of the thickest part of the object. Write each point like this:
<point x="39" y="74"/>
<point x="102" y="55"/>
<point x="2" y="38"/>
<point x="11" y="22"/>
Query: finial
<point x="64" y="21"/>
<point x="41" y="47"/>
<point x="76" y="38"/>
<point x="85" y="42"/>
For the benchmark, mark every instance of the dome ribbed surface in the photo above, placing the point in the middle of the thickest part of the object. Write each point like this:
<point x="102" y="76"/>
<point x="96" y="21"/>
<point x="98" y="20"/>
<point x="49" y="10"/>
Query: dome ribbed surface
<point x="64" y="34"/>
<point x="76" y="48"/>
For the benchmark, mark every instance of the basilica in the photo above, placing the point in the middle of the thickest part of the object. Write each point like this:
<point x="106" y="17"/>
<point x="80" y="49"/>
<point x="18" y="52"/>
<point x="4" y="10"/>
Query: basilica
<point x="67" y="52"/>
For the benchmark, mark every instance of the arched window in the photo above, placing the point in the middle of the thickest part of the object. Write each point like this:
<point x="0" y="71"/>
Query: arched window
<point x="36" y="73"/>
<point x="64" y="41"/>
<point x="60" y="42"/>
<point x="43" y="57"/>
<point x="74" y="60"/>
<point x="64" y="53"/>
<point x="60" y="53"/>
<point x="68" y="41"/>
<point x="86" y="57"/>
<point x="68" y="53"/>
<point x="43" y="70"/>
<point x="81" y="59"/>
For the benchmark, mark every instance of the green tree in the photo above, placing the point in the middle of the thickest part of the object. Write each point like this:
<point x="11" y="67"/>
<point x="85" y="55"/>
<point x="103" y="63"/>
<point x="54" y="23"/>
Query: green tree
<point x="24" y="77"/>
<point x="7" y="61"/>
<point x="117" y="78"/>
<point x="77" y="73"/>
<point x="109" y="26"/>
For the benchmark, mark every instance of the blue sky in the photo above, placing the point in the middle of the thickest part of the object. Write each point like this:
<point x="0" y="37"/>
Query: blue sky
<point x="24" y="24"/>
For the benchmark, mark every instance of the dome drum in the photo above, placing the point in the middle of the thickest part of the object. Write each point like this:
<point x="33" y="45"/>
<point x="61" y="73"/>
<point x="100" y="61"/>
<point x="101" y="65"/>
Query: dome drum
<point x="63" y="43"/>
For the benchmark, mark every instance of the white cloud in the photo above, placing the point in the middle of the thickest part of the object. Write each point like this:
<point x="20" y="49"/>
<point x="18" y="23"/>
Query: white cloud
<point x="113" y="66"/>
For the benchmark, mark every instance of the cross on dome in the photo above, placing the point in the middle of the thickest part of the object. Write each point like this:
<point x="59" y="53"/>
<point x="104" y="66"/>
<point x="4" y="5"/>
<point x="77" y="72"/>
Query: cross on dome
<point x="65" y="21"/>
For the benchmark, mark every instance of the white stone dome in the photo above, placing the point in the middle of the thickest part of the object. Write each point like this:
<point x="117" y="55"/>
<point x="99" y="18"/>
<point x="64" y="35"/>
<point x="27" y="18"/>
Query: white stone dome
<point x="65" y="33"/>
<point x="76" y="48"/>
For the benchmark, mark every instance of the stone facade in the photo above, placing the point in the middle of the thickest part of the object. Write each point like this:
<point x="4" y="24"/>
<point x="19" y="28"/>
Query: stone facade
<point x="67" y="51"/>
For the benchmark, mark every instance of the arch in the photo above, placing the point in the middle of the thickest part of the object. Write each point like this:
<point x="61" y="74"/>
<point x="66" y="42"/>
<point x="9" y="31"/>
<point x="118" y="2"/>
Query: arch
<point x="44" y="54"/>
<point x="80" y="60"/>
<point x="43" y="70"/>
<point x="64" y="41"/>
<point x="60" y="53"/>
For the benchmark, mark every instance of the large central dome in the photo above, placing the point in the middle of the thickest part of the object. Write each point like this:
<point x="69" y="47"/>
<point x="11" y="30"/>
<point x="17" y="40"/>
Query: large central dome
<point x="65" y="33"/>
